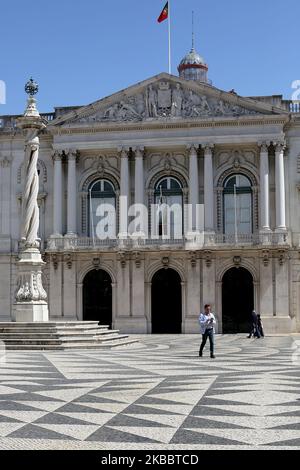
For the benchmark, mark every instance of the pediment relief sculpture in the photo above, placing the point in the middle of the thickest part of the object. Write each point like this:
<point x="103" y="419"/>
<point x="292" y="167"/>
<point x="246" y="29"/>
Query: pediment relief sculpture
<point x="166" y="100"/>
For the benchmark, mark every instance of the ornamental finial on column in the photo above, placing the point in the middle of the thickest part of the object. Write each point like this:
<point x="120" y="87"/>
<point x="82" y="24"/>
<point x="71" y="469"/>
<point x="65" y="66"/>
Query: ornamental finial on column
<point x="31" y="88"/>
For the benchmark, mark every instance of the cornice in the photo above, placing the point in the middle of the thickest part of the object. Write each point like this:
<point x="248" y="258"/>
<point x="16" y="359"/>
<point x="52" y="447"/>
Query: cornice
<point x="146" y="126"/>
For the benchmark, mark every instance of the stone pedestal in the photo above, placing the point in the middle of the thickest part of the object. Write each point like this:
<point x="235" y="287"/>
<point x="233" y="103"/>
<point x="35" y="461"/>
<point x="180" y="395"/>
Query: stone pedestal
<point x="31" y="298"/>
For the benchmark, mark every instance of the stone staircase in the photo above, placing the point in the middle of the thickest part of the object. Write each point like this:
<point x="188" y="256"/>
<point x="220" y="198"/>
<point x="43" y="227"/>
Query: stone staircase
<point x="55" y="336"/>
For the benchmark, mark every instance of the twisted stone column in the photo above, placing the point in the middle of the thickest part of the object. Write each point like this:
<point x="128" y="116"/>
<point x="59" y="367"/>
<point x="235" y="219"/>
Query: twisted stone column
<point x="57" y="195"/>
<point x="30" y="297"/>
<point x="30" y="210"/>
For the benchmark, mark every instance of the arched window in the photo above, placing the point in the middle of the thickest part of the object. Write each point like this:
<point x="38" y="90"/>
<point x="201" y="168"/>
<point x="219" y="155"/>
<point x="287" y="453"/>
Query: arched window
<point x="168" y="197"/>
<point x="237" y="205"/>
<point x="102" y="209"/>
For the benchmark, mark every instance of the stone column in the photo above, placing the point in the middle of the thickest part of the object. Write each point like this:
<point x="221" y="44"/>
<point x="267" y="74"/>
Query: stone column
<point x="264" y="194"/>
<point x="30" y="299"/>
<point x="193" y="189"/>
<point x="280" y="187"/>
<point x="72" y="194"/>
<point x="57" y="195"/>
<point x="124" y="195"/>
<point x="208" y="189"/>
<point x="139" y="193"/>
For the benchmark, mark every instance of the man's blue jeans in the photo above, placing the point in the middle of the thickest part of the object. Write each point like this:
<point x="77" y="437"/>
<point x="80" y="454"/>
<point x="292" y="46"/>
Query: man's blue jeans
<point x="208" y="334"/>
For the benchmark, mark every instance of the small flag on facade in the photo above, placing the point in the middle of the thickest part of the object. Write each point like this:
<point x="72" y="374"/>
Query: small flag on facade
<point x="164" y="14"/>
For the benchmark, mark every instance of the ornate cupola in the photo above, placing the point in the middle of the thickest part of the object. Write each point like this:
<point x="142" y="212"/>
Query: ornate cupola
<point x="193" y="66"/>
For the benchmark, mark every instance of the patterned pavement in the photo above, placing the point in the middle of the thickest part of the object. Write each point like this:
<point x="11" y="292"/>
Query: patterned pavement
<point x="156" y="395"/>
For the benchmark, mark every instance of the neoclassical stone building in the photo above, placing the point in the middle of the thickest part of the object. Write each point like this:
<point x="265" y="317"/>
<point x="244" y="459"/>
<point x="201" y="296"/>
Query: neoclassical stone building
<point x="175" y="140"/>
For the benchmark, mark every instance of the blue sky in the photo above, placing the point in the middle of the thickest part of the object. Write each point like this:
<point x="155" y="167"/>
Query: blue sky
<point x="81" y="51"/>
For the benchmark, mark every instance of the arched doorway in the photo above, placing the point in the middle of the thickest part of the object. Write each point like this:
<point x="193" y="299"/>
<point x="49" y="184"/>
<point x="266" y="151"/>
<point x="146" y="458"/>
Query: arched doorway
<point x="237" y="300"/>
<point x="166" y="302"/>
<point x="97" y="297"/>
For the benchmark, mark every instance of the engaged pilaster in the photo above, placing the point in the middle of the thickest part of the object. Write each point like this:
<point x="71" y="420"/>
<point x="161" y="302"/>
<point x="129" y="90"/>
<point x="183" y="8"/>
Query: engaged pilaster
<point x="139" y="208"/>
<point x="193" y="189"/>
<point x="208" y="189"/>
<point x="264" y="193"/>
<point x="72" y="194"/>
<point x="57" y="195"/>
<point x="124" y="194"/>
<point x="280" y="186"/>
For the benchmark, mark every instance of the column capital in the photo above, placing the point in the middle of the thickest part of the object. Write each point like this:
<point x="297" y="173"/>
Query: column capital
<point x="264" y="146"/>
<point x="138" y="152"/>
<point x="72" y="154"/>
<point x="280" y="146"/>
<point x="57" y="156"/>
<point x="208" y="148"/>
<point x="123" y="151"/>
<point x="192" y="148"/>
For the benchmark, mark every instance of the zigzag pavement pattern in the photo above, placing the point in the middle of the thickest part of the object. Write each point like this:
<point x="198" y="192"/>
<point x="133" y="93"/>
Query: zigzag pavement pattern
<point x="157" y="396"/>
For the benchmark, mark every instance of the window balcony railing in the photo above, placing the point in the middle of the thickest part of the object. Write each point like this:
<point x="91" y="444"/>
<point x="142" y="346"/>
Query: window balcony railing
<point x="258" y="239"/>
<point x="198" y="242"/>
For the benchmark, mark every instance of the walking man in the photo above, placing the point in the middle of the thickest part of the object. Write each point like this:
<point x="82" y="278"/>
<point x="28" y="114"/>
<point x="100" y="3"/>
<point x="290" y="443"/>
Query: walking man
<point x="207" y="321"/>
<point x="254" y="325"/>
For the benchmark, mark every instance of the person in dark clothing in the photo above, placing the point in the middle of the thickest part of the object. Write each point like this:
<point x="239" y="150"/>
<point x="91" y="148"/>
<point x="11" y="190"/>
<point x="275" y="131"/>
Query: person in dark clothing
<point x="254" y="325"/>
<point x="260" y="326"/>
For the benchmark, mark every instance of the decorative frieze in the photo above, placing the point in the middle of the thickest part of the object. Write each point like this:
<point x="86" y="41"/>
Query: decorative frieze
<point x="164" y="100"/>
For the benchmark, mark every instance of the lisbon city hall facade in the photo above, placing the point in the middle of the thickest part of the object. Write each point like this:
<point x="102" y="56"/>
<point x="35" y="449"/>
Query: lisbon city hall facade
<point x="167" y="140"/>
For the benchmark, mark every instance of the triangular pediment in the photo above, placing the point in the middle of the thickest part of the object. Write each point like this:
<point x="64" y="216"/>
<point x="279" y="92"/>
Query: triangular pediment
<point x="166" y="97"/>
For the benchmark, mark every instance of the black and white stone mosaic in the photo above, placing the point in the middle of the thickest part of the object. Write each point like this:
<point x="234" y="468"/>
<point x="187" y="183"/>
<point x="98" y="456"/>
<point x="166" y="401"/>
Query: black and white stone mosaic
<point x="155" y="395"/>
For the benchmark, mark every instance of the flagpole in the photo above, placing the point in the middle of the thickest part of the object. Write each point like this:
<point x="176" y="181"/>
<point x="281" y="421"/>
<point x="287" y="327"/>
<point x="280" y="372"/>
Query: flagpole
<point x="169" y="32"/>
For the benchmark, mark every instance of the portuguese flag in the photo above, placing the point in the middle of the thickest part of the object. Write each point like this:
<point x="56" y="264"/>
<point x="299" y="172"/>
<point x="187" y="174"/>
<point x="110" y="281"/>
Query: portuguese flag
<point x="164" y="14"/>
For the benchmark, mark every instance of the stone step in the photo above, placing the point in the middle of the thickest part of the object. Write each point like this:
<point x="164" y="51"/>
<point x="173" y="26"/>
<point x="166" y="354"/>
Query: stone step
<point x="64" y="347"/>
<point x="60" y="336"/>
<point x="56" y="334"/>
<point x="53" y="330"/>
<point x="48" y="324"/>
<point x="61" y="339"/>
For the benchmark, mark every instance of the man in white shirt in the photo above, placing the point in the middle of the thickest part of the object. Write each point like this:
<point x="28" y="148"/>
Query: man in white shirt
<point x="207" y="321"/>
